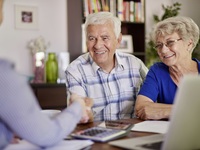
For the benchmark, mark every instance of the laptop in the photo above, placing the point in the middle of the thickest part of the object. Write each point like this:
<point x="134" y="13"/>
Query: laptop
<point x="184" y="128"/>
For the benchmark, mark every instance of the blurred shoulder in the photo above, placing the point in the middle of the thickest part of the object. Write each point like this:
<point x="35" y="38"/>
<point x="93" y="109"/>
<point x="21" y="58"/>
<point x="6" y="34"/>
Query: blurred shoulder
<point x="5" y="64"/>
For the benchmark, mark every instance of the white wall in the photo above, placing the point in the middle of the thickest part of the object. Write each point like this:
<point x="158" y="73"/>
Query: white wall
<point x="188" y="8"/>
<point x="52" y="26"/>
<point x="191" y="9"/>
<point x="153" y="7"/>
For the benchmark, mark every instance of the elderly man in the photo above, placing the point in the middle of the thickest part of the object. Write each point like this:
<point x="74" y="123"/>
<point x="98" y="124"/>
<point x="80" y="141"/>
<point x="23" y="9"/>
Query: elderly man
<point x="112" y="79"/>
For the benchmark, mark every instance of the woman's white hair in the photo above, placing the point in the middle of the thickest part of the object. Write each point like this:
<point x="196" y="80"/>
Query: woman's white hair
<point x="185" y="27"/>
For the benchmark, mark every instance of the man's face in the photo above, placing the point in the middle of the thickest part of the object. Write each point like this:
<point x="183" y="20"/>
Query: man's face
<point x="102" y="43"/>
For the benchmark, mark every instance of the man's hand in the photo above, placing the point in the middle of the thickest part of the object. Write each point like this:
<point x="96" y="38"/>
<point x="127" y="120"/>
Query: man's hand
<point x="15" y="139"/>
<point x="86" y="104"/>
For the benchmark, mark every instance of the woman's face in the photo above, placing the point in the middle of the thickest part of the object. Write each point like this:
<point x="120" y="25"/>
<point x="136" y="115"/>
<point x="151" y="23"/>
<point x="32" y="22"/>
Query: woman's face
<point x="172" y="50"/>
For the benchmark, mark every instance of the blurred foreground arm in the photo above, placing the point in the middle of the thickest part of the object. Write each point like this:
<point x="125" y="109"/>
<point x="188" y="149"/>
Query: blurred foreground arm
<point x="21" y="114"/>
<point x="86" y="104"/>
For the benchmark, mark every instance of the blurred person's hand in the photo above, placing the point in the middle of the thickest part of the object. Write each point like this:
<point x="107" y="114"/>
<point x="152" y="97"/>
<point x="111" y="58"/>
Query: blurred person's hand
<point x="86" y="104"/>
<point x="15" y="139"/>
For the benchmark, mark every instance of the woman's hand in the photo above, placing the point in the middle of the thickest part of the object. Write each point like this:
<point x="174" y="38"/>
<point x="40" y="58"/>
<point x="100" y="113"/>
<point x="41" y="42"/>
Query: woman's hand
<point x="15" y="139"/>
<point x="146" y="109"/>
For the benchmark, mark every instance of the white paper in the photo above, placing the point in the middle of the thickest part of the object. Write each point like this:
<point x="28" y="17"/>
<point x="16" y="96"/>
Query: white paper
<point x="103" y="124"/>
<point x="65" y="144"/>
<point x="152" y="126"/>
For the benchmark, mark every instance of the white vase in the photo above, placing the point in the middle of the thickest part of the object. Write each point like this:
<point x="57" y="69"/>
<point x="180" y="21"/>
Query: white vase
<point x="39" y="67"/>
<point x="63" y="62"/>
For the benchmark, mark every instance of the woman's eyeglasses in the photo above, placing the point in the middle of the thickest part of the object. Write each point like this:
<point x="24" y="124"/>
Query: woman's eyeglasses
<point x="168" y="44"/>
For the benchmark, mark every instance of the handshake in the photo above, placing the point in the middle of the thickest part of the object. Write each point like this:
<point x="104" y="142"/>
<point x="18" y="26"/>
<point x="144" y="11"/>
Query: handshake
<point x="86" y="104"/>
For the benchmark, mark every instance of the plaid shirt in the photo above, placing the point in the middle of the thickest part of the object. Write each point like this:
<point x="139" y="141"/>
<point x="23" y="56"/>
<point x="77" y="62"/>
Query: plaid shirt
<point x="114" y="93"/>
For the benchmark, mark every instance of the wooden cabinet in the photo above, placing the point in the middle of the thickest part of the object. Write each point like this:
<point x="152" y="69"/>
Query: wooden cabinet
<point x="75" y="19"/>
<point x="50" y="96"/>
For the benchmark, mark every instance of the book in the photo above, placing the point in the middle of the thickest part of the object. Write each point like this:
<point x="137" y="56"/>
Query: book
<point x="113" y="7"/>
<point x="120" y="10"/>
<point x="85" y="8"/>
<point x="84" y="47"/>
<point x="132" y="18"/>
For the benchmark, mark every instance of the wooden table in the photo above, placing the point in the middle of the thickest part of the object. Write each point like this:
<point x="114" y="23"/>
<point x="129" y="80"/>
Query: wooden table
<point x="106" y="146"/>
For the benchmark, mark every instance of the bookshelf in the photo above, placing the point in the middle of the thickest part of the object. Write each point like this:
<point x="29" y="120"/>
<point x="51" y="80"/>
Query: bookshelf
<point x="75" y="14"/>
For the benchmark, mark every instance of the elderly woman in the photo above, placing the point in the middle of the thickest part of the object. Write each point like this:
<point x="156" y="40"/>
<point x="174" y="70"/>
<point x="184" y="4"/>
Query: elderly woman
<point x="175" y="39"/>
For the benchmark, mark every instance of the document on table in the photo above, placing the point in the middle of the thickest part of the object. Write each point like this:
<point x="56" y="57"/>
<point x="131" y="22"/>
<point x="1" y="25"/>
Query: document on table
<point x="152" y="126"/>
<point x="65" y="144"/>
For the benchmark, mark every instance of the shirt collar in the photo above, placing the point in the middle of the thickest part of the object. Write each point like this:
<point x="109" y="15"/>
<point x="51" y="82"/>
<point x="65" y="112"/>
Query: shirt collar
<point x="118" y="64"/>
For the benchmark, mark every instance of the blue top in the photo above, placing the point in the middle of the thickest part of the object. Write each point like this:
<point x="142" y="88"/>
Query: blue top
<point x="158" y="85"/>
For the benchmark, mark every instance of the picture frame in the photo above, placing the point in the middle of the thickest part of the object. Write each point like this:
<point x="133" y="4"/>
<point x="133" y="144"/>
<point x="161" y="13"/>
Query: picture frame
<point x="26" y="17"/>
<point x="84" y="47"/>
<point x="126" y="44"/>
<point x="1" y="11"/>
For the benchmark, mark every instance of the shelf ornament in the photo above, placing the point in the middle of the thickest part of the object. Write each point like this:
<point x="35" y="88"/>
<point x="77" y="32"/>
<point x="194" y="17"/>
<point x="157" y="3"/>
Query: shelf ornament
<point x="38" y="49"/>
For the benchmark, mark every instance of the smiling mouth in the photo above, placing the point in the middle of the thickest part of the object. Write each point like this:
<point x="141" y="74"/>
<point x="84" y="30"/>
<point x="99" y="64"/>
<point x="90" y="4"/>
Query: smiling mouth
<point x="101" y="52"/>
<point x="165" y="57"/>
